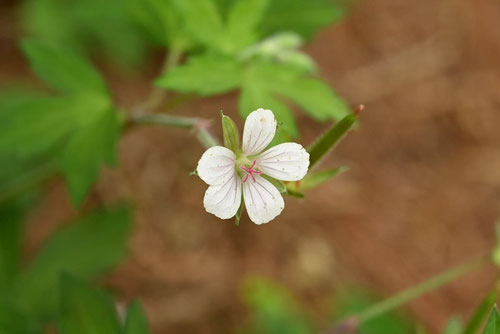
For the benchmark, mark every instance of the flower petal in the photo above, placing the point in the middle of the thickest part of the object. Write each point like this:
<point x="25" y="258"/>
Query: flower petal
<point x="217" y="165"/>
<point x="262" y="200"/>
<point x="260" y="128"/>
<point x="223" y="200"/>
<point x="285" y="162"/>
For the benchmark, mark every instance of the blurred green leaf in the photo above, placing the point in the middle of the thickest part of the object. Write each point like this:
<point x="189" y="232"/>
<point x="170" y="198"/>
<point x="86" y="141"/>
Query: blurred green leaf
<point x="493" y="323"/>
<point x="388" y="323"/>
<point x="314" y="179"/>
<point x="242" y="22"/>
<point x="273" y="310"/>
<point x="304" y="17"/>
<point x="102" y="27"/>
<point x="84" y="249"/>
<point x="454" y="326"/>
<point x="482" y="311"/>
<point x="136" y="322"/>
<point x="85" y="152"/>
<point x="85" y="310"/>
<point x="62" y="69"/>
<point x="11" y="227"/>
<point x="329" y="139"/>
<point x="202" y="20"/>
<point x="205" y="75"/>
<point x="14" y="322"/>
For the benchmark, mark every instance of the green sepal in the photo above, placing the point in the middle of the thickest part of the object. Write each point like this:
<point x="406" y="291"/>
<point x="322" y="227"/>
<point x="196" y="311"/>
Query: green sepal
<point x="238" y="213"/>
<point x="231" y="134"/>
<point x="329" y="139"/>
<point x="276" y="183"/>
<point x="314" y="179"/>
<point x="481" y="312"/>
<point x="295" y="193"/>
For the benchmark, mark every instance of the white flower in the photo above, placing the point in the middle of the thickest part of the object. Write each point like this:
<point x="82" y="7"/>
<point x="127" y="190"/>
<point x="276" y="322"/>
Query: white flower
<point x="228" y="174"/>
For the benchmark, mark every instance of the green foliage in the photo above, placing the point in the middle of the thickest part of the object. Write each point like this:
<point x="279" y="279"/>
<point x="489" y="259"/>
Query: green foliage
<point x="82" y="120"/>
<point x="84" y="249"/>
<point x="272" y="309"/>
<point x="493" y="323"/>
<point x="230" y="133"/>
<point x="103" y="26"/>
<point x="388" y="323"/>
<point x="207" y="74"/>
<point x="454" y="326"/>
<point x="136" y="321"/>
<point x="12" y="321"/>
<point x="63" y="69"/>
<point x="315" y="179"/>
<point x="85" y="310"/>
<point x="481" y="312"/>
<point x="329" y="139"/>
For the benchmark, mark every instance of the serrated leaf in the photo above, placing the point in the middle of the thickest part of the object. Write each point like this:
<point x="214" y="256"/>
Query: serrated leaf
<point x="230" y="133"/>
<point x="493" y="324"/>
<point x="242" y="22"/>
<point x="315" y="97"/>
<point x="315" y="179"/>
<point x="84" y="249"/>
<point x="326" y="142"/>
<point x="63" y="69"/>
<point x="205" y="75"/>
<point x="85" y="310"/>
<point x="304" y="17"/>
<point x="136" y="322"/>
<point x="85" y="153"/>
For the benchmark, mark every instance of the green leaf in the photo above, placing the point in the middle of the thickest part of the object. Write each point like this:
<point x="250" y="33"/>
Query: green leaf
<point x="11" y="227"/>
<point x="481" y="312"/>
<point x="273" y="310"/>
<point x="85" y="310"/>
<point x="86" y="151"/>
<point x="304" y="17"/>
<point x="242" y="22"/>
<point x="231" y="134"/>
<point x="64" y="70"/>
<point x="388" y="323"/>
<point x="102" y="27"/>
<point x="205" y="75"/>
<point x="329" y="139"/>
<point x="493" y="323"/>
<point x="202" y="20"/>
<point x="136" y="322"/>
<point x="315" y="97"/>
<point x="255" y="94"/>
<point x="12" y="321"/>
<point x="84" y="249"/>
<point x="454" y="326"/>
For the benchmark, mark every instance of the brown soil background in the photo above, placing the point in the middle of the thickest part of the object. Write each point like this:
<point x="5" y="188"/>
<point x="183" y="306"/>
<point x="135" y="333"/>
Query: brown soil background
<point x="422" y="194"/>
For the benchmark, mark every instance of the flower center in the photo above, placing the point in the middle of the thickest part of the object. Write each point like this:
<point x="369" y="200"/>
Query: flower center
<point x="250" y="171"/>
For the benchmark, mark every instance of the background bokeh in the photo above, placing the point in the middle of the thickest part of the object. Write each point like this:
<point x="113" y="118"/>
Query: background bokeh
<point x="422" y="193"/>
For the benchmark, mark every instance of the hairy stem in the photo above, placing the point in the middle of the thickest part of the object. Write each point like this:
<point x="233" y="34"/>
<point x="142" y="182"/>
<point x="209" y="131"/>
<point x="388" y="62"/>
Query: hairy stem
<point x="353" y="322"/>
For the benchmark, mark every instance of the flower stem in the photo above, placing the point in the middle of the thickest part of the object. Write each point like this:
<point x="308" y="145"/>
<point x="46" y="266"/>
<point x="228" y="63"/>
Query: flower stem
<point x="411" y="293"/>
<point x="199" y="125"/>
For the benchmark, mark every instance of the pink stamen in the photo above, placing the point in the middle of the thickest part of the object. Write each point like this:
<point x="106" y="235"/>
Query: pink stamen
<point x="250" y="171"/>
